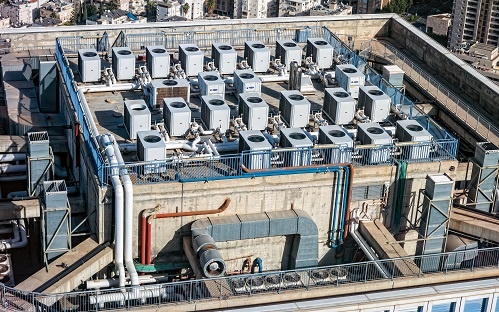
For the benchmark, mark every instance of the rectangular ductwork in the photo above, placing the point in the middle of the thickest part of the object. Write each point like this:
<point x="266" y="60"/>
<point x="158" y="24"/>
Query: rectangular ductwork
<point x="484" y="177"/>
<point x="376" y="103"/>
<point x="150" y="146"/>
<point x="167" y="88"/>
<point x="158" y="61"/>
<point x="89" y="65"/>
<point x="55" y="219"/>
<point x="334" y="134"/>
<point x="288" y="51"/>
<point x="412" y="131"/>
<point x="210" y="83"/>
<point x="177" y="116"/>
<point x="191" y="59"/>
<point x="296" y="138"/>
<point x="349" y="78"/>
<point x="40" y="161"/>
<point x="320" y="51"/>
<point x="246" y="80"/>
<point x="258" y="56"/>
<point x="254" y="110"/>
<point x="373" y="134"/>
<point x="215" y="113"/>
<point x="137" y="117"/>
<point x="339" y="106"/>
<point x="294" y="108"/>
<point x="123" y="63"/>
<point x="225" y="58"/>
<point x="254" y="141"/>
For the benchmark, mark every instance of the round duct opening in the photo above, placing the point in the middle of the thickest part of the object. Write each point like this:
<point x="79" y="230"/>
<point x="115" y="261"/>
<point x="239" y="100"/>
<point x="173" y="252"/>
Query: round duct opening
<point x="3" y="258"/>
<point x="178" y="104"/>
<point x="374" y="130"/>
<point x="254" y="99"/>
<point x="320" y="274"/>
<point x="336" y="133"/>
<point x="216" y="102"/>
<point x="320" y="42"/>
<point x="256" y="138"/>
<point x="340" y="94"/>
<point x="247" y="76"/>
<point x="225" y="47"/>
<point x="158" y="51"/>
<point x="415" y="128"/>
<point x="338" y="273"/>
<point x="3" y="268"/>
<point x="191" y="49"/>
<point x="170" y="82"/>
<point x="289" y="44"/>
<point x="139" y="107"/>
<point x="375" y="92"/>
<point x="349" y="70"/>
<point x="124" y="52"/>
<point x="296" y="97"/>
<point x="89" y="54"/>
<point x="152" y="138"/>
<point x="210" y="78"/>
<point x="258" y="46"/>
<point x="212" y="263"/>
<point x="254" y="281"/>
<point x="297" y="136"/>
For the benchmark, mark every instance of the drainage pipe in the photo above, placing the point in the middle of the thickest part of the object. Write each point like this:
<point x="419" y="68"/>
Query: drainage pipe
<point x="17" y="242"/>
<point x="148" y="215"/>
<point x="8" y="168"/>
<point x="12" y="157"/>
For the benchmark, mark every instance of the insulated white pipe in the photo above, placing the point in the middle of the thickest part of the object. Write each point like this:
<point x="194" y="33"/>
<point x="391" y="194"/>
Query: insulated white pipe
<point x="112" y="282"/>
<point x="213" y="148"/>
<point x="19" y="231"/>
<point x="12" y="157"/>
<point x="114" y="87"/>
<point x="142" y="293"/>
<point x="8" y="168"/>
<point x="128" y="237"/>
<point x="88" y="113"/>
<point x="273" y="78"/>
<point x="118" y="207"/>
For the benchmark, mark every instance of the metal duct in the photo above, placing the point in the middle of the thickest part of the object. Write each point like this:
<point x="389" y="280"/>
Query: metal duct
<point x="40" y="161"/>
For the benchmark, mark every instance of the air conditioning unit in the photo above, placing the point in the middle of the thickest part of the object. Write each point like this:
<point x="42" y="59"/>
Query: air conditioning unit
<point x="123" y="63"/>
<point x="394" y="75"/>
<point x="412" y="131"/>
<point x="258" y="56"/>
<point x="177" y="116"/>
<point x="339" y="106"/>
<point x="89" y="65"/>
<point x="296" y="138"/>
<point x="255" y="111"/>
<point x="137" y="117"/>
<point x="160" y="89"/>
<point x="375" y="102"/>
<point x="295" y="108"/>
<point x="321" y="52"/>
<point x="255" y="141"/>
<point x="215" y="113"/>
<point x="288" y="51"/>
<point x="6" y="272"/>
<point x="210" y="83"/>
<point x="191" y="59"/>
<point x="150" y="146"/>
<point x="373" y="134"/>
<point x="349" y="78"/>
<point x="158" y="61"/>
<point x="224" y="57"/>
<point x="246" y="80"/>
<point x="334" y="134"/>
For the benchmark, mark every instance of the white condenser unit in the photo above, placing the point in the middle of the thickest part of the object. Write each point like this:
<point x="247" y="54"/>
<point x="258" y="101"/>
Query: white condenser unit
<point x="258" y="56"/>
<point x="137" y="117"/>
<point x="372" y="133"/>
<point x="296" y="138"/>
<point x="254" y="141"/>
<point x="412" y="131"/>
<point x="334" y="134"/>
<point x="160" y="89"/>
<point x="177" y="116"/>
<point x="349" y="78"/>
<point x="158" y="61"/>
<point x="210" y="83"/>
<point x="288" y="51"/>
<point x="320" y="51"/>
<point x="150" y="146"/>
<point x="245" y="80"/>
<point x="339" y="106"/>
<point x="294" y="108"/>
<point x="376" y="103"/>
<point x="225" y="58"/>
<point x="191" y="59"/>
<point x="255" y="111"/>
<point x="123" y="63"/>
<point x="215" y="113"/>
<point x="89" y="65"/>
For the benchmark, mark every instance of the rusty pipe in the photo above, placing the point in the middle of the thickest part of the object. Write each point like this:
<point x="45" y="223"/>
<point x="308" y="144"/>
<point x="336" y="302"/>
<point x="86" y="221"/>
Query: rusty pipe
<point x="143" y="239"/>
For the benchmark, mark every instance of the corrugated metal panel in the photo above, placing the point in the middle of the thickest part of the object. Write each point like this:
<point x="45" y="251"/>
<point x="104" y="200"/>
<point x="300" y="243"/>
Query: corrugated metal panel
<point x="368" y="192"/>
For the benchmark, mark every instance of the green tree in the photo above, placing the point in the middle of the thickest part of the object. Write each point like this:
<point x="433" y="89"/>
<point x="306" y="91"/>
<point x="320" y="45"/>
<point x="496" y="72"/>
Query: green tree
<point x="92" y="9"/>
<point x="210" y="6"/>
<point x="399" y="6"/>
<point x="113" y="5"/>
<point x="185" y="8"/>
<point x="53" y="15"/>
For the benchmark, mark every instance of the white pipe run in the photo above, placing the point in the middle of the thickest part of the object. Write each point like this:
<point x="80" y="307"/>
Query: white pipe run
<point x="8" y="168"/>
<point x="20" y="239"/>
<point x="112" y="282"/>
<point x="88" y="113"/>
<point x="12" y="157"/>
<point x="273" y="78"/>
<point x="128" y="225"/>
<point x="139" y="293"/>
<point x="118" y="207"/>
<point x="114" y="87"/>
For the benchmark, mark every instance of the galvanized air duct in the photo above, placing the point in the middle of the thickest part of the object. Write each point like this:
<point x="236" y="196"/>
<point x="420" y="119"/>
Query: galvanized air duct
<point x="209" y="257"/>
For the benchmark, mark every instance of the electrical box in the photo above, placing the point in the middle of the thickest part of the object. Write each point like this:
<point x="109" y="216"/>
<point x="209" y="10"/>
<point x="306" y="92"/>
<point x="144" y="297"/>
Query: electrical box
<point x="215" y="113"/>
<point x="288" y="51"/>
<point x="210" y="83"/>
<point x="349" y="78"/>
<point x="158" y="62"/>
<point x="255" y="111"/>
<point x="294" y="108"/>
<point x="376" y="103"/>
<point x="258" y="56"/>
<point x="245" y="80"/>
<point x="320" y="51"/>
<point x="123" y="63"/>
<point x="334" y="134"/>
<point x="150" y="146"/>
<point x="225" y="58"/>
<point x="177" y="116"/>
<point x="339" y="106"/>
<point x="137" y="117"/>
<point x="191" y="59"/>
<point x="89" y="65"/>
<point x="373" y="134"/>
<point x="296" y="138"/>
<point x="412" y="131"/>
<point x="160" y="89"/>
<point x="254" y="141"/>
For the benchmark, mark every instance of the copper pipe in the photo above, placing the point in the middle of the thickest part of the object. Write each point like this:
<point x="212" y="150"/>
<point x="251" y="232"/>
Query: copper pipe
<point x="143" y="239"/>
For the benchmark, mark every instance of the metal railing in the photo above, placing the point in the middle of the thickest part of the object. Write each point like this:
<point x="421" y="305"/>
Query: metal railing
<point x="279" y="282"/>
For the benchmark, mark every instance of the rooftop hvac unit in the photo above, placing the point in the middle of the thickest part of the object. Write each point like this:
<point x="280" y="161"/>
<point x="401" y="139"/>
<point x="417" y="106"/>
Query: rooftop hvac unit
<point x="161" y="89"/>
<point x="210" y="83"/>
<point x="123" y="63"/>
<point x="339" y="106"/>
<point x="137" y="117"/>
<point x="224" y="57"/>
<point x="258" y="56"/>
<point x="292" y="280"/>
<point x="394" y="75"/>
<point x="6" y="273"/>
<point x="334" y="134"/>
<point x="177" y="115"/>
<point x="321" y="52"/>
<point x="349" y="78"/>
<point x="288" y="51"/>
<point x="215" y="113"/>
<point x="89" y="65"/>
<point x="295" y="108"/>
<point x="255" y="142"/>
<point x="255" y="111"/>
<point x="191" y="59"/>
<point x="158" y="61"/>
<point x="373" y="133"/>
<point x="246" y="80"/>
<point x="150" y="146"/>
<point x="297" y="138"/>
<point x="375" y="102"/>
<point x="412" y="131"/>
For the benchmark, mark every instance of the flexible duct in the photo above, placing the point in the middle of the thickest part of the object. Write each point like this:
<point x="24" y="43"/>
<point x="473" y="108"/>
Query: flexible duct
<point x="20" y="239"/>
